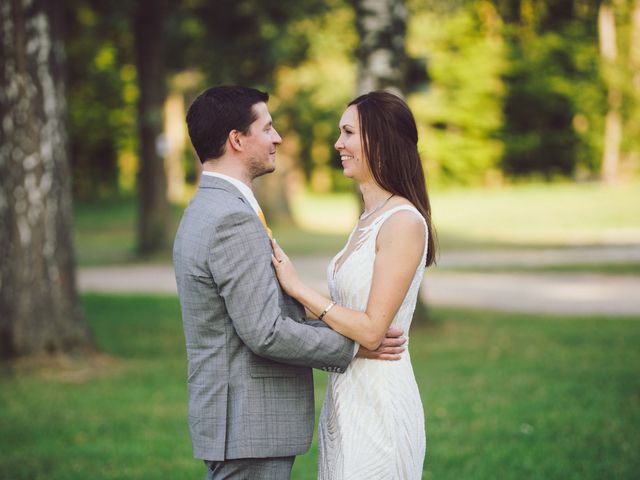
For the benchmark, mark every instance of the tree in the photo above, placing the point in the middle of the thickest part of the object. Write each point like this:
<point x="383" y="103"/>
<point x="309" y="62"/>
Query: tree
<point x="460" y="115"/>
<point x="101" y="97"/>
<point x="633" y="118"/>
<point x="152" y="181"/>
<point x="613" y="121"/>
<point x="540" y="107"/>
<point x="39" y="310"/>
<point x="383" y="62"/>
<point x="622" y="79"/>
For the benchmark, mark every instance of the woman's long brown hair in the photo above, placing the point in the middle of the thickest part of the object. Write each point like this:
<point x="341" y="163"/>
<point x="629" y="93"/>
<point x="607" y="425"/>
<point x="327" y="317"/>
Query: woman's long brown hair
<point x="390" y="141"/>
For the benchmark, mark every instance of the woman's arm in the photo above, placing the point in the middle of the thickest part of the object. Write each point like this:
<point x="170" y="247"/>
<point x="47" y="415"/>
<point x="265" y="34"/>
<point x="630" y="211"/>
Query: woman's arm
<point x="399" y="248"/>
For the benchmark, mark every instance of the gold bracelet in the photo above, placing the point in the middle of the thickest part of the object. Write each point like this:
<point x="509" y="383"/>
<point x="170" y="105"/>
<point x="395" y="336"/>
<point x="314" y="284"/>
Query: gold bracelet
<point x="329" y="307"/>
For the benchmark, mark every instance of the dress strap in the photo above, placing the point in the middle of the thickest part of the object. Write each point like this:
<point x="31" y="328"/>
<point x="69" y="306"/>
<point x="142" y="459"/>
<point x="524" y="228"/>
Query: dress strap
<point x="384" y="216"/>
<point x="377" y="223"/>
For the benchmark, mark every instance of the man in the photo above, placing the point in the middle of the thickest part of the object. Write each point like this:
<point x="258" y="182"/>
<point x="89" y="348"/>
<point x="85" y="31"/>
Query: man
<point x="249" y="345"/>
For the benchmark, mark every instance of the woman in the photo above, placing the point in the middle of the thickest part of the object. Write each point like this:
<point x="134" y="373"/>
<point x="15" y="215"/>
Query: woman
<point x="372" y="424"/>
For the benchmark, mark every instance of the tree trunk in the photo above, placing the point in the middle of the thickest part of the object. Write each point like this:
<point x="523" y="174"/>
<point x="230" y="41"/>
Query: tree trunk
<point x="152" y="180"/>
<point x="634" y="47"/>
<point x="634" y="65"/>
<point x="613" y="120"/>
<point x="175" y="135"/>
<point x="381" y="55"/>
<point x="39" y="310"/>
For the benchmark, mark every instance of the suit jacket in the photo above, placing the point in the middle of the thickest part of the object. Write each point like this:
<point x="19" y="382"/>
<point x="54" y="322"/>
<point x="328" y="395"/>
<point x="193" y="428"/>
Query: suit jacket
<point x="249" y="347"/>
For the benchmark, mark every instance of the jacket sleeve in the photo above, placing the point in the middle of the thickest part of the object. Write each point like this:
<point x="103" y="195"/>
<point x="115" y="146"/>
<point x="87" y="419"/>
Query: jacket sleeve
<point x="240" y="263"/>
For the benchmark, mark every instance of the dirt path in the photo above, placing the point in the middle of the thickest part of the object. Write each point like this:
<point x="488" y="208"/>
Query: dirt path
<point x="560" y="293"/>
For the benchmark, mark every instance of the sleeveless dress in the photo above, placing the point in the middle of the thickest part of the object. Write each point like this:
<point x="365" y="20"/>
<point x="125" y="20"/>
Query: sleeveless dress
<point x="372" y="420"/>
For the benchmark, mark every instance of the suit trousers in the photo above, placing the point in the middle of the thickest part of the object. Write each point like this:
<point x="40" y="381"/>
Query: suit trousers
<point x="277" y="468"/>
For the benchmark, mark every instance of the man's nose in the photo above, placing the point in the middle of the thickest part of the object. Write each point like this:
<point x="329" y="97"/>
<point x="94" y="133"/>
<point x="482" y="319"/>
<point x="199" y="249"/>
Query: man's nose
<point x="276" y="138"/>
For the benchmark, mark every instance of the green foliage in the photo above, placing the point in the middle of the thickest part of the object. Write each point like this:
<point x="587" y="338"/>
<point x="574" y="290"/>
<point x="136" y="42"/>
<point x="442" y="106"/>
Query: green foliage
<point x="505" y="395"/>
<point x="554" y="99"/>
<point x="557" y="89"/>
<point x="239" y="42"/>
<point x="311" y="96"/>
<point x="538" y="134"/>
<point x="516" y="87"/>
<point x="460" y="116"/>
<point x="520" y="91"/>
<point x="101" y="94"/>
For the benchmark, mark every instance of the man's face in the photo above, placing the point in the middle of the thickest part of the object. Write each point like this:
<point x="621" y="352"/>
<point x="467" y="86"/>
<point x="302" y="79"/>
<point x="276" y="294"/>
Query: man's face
<point x="261" y="143"/>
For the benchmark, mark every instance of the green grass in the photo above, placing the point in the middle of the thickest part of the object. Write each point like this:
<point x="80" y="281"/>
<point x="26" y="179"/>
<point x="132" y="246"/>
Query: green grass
<point x="522" y="216"/>
<point x="538" y="214"/>
<point x="515" y="396"/>
<point x="105" y="232"/>
<point x="125" y="420"/>
<point x="506" y="396"/>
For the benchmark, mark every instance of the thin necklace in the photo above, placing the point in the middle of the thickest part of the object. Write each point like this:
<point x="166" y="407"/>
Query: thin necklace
<point x="364" y="216"/>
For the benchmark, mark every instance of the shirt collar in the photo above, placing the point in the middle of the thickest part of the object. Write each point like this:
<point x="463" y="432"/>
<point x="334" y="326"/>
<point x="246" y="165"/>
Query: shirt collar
<point x="243" y="187"/>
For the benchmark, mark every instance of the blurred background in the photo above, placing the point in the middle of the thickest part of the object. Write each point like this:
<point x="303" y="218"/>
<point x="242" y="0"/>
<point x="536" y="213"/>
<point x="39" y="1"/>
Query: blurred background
<point x="525" y="342"/>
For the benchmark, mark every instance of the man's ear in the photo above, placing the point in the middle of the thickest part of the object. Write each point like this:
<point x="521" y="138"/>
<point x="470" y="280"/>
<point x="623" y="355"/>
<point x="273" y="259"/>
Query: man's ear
<point x="234" y="140"/>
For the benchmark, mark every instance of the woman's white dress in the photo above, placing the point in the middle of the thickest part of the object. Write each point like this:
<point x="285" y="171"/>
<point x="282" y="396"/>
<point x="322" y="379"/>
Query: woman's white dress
<point x="372" y="421"/>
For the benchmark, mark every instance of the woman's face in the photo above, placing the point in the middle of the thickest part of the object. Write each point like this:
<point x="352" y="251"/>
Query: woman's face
<point x="349" y="144"/>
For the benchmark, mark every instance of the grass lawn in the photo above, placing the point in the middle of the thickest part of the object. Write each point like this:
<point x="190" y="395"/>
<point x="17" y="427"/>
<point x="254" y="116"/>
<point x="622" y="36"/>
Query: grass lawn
<point x="531" y="215"/>
<point x="105" y="232"/>
<point x="507" y="396"/>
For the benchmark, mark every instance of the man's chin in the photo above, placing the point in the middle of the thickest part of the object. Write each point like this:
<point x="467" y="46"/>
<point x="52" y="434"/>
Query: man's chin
<point x="265" y="171"/>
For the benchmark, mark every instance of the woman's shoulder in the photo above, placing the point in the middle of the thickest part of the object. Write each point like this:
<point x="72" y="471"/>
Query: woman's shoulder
<point x="403" y="234"/>
<point x="402" y="220"/>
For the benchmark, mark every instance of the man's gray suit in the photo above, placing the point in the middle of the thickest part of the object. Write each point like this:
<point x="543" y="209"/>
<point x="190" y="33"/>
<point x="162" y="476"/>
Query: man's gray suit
<point x="249" y="347"/>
